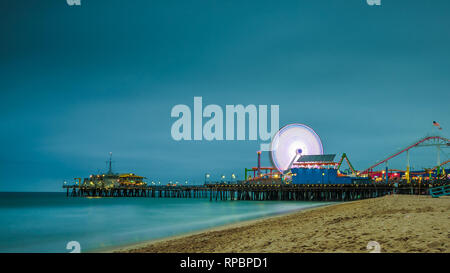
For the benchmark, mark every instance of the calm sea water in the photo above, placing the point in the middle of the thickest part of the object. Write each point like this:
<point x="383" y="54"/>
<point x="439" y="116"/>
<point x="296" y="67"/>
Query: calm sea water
<point x="46" y="222"/>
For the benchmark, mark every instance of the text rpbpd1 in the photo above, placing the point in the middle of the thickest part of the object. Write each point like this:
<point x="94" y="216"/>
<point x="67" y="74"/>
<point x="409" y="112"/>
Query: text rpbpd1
<point x="225" y="263"/>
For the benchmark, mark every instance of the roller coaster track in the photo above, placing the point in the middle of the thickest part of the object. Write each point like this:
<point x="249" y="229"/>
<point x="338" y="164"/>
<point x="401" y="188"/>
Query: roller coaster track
<point x="421" y="142"/>
<point x="442" y="164"/>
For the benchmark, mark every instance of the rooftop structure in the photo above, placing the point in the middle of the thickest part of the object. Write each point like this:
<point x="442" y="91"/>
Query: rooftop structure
<point x="317" y="158"/>
<point x="112" y="180"/>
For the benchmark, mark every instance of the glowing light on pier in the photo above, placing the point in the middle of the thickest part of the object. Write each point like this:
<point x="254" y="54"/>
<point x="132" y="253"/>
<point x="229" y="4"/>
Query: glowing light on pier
<point x="293" y="139"/>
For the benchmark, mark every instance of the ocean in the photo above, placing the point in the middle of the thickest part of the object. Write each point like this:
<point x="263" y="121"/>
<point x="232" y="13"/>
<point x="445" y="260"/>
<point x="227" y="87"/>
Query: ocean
<point x="46" y="222"/>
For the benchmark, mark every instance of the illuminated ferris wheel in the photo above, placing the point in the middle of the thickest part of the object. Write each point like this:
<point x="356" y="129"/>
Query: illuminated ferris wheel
<point x="291" y="142"/>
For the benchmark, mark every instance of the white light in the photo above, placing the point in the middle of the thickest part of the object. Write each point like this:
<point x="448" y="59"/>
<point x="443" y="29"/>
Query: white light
<point x="289" y="139"/>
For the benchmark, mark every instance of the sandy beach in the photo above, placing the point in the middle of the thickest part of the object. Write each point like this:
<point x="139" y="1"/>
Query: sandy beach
<point x="398" y="223"/>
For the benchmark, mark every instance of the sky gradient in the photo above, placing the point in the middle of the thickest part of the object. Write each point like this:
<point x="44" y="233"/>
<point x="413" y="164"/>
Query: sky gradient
<point x="80" y="82"/>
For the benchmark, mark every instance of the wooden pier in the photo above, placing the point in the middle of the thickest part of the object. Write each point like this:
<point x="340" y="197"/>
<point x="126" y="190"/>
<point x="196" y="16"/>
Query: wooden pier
<point x="141" y="191"/>
<point x="222" y="192"/>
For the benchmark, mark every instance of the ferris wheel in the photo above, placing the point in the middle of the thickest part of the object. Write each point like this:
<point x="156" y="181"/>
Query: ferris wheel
<point x="291" y="142"/>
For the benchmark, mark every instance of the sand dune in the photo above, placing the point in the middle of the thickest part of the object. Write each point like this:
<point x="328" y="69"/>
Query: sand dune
<point x="399" y="223"/>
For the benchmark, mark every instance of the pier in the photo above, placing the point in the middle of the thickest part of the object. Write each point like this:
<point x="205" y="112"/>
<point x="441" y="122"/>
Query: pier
<point x="254" y="192"/>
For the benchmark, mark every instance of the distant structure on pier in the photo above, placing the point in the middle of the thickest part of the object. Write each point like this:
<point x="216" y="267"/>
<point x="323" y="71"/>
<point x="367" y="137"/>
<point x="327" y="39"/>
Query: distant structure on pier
<point x="321" y="169"/>
<point x="111" y="179"/>
<point x="306" y="169"/>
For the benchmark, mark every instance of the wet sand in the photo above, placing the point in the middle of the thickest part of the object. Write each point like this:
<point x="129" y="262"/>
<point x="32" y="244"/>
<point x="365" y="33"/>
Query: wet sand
<point x="398" y="223"/>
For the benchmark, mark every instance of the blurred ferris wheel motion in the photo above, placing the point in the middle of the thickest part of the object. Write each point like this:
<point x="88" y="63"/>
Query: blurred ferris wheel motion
<point x="292" y="141"/>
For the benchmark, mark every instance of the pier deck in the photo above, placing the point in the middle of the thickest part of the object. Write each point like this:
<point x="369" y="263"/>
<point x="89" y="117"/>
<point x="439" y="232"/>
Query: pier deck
<point x="222" y="192"/>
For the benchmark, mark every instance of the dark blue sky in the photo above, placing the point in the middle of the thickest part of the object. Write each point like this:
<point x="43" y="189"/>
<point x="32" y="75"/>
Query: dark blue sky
<point x="80" y="82"/>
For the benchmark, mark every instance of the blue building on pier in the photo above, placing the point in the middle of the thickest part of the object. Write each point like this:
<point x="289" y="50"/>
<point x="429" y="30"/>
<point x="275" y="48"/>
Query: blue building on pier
<point x="320" y="169"/>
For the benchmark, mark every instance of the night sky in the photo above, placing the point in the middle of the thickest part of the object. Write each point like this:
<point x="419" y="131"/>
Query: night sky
<point x="78" y="82"/>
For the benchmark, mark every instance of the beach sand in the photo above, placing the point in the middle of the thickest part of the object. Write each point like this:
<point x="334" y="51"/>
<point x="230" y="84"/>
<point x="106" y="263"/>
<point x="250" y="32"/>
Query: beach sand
<point x="399" y="223"/>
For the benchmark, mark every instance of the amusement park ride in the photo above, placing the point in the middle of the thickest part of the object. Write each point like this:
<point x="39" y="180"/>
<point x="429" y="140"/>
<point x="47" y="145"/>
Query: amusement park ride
<point x="344" y="156"/>
<point x="294" y="144"/>
<point x="429" y="141"/>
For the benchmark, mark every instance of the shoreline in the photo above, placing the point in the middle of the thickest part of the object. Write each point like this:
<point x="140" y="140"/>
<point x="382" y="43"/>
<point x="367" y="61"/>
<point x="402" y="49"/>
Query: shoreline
<point x="132" y="246"/>
<point x="399" y="223"/>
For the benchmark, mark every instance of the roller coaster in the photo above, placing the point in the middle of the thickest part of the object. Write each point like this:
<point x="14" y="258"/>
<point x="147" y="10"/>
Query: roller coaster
<point x="436" y="141"/>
